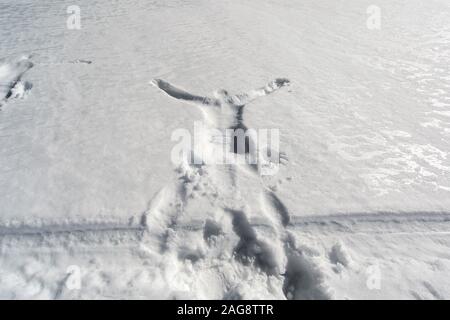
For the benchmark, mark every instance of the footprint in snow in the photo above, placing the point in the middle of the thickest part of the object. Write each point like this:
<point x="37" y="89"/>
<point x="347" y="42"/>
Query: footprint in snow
<point x="11" y="84"/>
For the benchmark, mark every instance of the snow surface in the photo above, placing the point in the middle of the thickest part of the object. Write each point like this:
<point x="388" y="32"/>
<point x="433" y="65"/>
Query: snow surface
<point x="87" y="181"/>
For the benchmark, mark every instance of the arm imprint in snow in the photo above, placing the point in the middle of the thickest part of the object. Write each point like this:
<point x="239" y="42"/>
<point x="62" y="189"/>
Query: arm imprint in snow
<point x="274" y="85"/>
<point x="183" y="95"/>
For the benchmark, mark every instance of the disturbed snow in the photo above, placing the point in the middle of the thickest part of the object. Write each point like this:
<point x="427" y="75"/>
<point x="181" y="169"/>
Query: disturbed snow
<point x="91" y="205"/>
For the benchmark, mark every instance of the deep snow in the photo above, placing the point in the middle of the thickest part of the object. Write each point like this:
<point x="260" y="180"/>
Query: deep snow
<point x="360" y="210"/>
